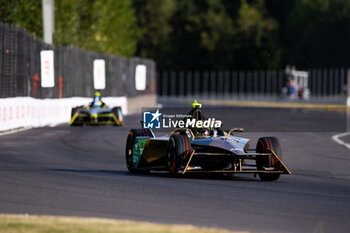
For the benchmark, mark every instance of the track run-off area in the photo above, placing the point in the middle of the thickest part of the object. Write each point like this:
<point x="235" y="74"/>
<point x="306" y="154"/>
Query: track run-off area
<point x="81" y="171"/>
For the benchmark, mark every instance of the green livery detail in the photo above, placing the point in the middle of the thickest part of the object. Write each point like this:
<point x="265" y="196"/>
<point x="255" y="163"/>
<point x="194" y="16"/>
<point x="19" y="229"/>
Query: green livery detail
<point x="138" y="149"/>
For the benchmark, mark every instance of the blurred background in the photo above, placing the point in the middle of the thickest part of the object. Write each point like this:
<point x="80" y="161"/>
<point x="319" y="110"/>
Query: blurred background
<point x="213" y="48"/>
<point x="200" y="34"/>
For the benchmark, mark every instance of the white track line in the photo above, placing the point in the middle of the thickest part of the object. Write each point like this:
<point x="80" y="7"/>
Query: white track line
<point x="337" y="140"/>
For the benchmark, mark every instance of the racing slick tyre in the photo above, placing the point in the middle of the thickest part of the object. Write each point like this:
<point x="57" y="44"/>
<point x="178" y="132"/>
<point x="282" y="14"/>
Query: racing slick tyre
<point x="117" y="111"/>
<point x="73" y="111"/>
<point x="130" y="143"/>
<point x="265" y="145"/>
<point x="178" y="148"/>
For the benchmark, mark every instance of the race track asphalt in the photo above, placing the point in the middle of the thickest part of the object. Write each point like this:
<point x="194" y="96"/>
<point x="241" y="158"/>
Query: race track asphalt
<point x="75" y="171"/>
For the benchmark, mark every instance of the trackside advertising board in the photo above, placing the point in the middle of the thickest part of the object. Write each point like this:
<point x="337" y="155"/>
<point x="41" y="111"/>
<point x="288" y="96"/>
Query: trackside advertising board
<point x="140" y="77"/>
<point x="99" y="74"/>
<point x="47" y="68"/>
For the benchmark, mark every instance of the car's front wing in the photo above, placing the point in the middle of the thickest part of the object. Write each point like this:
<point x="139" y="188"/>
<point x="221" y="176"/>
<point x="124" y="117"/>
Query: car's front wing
<point x="98" y="119"/>
<point x="238" y="165"/>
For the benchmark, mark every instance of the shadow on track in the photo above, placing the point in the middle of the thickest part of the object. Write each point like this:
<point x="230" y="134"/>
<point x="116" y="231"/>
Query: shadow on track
<point x="91" y="171"/>
<point x="159" y="175"/>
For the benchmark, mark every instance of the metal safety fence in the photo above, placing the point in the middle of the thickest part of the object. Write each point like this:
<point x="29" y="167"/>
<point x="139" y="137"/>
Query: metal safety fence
<point x="313" y="84"/>
<point x="20" y="69"/>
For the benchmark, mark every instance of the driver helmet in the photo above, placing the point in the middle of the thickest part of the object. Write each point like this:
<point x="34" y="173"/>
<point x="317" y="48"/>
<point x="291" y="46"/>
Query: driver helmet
<point x="97" y="99"/>
<point x="201" y="132"/>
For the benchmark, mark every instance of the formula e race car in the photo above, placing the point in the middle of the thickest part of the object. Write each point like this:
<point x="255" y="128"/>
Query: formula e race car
<point x="90" y="115"/>
<point x="203" y="150"/>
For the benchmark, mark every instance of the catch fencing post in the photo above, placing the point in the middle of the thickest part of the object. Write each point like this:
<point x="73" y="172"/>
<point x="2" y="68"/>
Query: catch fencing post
<point x="281" y="82"/>
<point x="249" y="85"/>
<point x="324" y="84"/>
<point x="234" y="85"/>
<point x="256" y="84"/>
<point x="154" y="85"/>
<point x="241" y="79"/>
<point x="319" y="86"/>
<point x="220" y="89"/>
<point x="173" y="83"/>
<point x="205" y="84"/>
<point x="36" y="80"/>
<point x="313" y="80"/>
<point x="196" y="83"/>
<point x="274" y="84"/>
<point x="268" y="84"/>
<point x="342" y="84"/>
<point x="330" y="83"/>
<point x="226" y="84"/>
<point x="336" y="84"/>
<point x="212" y="86"/>
<point x="262" y="83"/>
<point x="189" y="81"/>
<point x="60" y="87"/>
<point x="181" y="84"/>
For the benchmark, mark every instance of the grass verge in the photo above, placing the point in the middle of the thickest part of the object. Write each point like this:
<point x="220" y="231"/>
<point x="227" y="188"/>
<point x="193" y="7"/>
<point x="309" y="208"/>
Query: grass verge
<point x="41" y="224"/>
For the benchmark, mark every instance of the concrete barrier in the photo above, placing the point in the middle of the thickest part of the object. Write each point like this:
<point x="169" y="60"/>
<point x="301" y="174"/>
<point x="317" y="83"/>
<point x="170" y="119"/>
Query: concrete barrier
<point x="135" y="104"/>
<point x="22" y="112"/>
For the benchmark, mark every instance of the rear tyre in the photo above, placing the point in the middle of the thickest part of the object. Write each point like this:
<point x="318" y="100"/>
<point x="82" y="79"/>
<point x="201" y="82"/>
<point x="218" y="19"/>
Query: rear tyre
<point x="266" y="145"/>
<point x="130" y="143"/>
<point x="178" y="148"/>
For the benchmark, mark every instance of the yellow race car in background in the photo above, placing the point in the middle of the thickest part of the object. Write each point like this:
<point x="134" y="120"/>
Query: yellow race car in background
<point x="86" y="115"/>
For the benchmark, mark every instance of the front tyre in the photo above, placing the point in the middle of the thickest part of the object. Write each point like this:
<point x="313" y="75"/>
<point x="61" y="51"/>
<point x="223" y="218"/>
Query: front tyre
<point x="73" y="112"/>
<point x="178" y="148"/>
<point x="117" y="111"/>
<point x="266" y="145"/>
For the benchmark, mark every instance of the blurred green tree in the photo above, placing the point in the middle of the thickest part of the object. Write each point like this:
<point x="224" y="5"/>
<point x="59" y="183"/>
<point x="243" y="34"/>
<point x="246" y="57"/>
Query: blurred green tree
<point x="256" y="39"/>
<point x="201" y="35"/>
<point x="205" y="35"/>
<point x="153" y="21"/>
<point x="217" y="34"/>
<point x="106" y="26"/>
<point x="67" y="23"/>
<point x="116" y="29"/>
<point x="23" y="13"/>
<point x="319" y="34"/>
